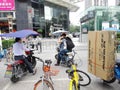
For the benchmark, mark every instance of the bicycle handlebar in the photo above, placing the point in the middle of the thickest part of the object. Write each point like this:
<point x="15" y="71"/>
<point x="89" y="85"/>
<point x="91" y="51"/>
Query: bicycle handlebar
<point x="39" y="59"/>
<point x="46" y="61"/>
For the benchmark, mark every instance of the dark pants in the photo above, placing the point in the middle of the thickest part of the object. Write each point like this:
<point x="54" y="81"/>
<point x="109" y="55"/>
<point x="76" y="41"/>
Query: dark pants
<point x="22" y="57"/>
<point x="61" y="54"/>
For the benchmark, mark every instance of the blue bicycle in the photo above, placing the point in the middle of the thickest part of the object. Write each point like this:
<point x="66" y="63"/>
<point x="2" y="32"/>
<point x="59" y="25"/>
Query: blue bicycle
<point x="116" y="72"/>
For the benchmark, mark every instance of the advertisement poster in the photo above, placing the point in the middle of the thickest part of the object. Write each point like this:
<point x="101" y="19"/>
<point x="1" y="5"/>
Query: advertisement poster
<point x="105" y="25"/>
<point x="7" y="5"/>
<point x="115" y="25"/>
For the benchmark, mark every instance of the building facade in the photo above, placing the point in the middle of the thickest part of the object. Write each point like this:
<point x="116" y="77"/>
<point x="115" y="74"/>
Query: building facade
<point x="38" y="14"/>
<point x="90" y="3"/>
<point x="118" y="2"/>
<point x="99" y="13"/>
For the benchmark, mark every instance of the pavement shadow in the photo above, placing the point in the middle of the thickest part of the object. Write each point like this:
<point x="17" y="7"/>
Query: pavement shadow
<point x="105" y="85"/>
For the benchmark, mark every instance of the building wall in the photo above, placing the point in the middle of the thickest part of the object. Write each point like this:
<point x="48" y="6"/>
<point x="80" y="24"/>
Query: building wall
<point x="89" y="3"/>
<point x="56" y="11"/>
<point x="22" y="15"/>
<point x="117" y="2"/>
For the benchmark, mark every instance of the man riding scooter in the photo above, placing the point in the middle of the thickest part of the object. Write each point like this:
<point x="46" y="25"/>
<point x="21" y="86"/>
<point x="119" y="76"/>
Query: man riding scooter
<point x="18" y="51"/>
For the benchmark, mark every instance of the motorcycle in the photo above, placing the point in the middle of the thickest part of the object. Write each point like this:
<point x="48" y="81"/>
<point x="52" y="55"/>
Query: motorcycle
<point x="68" y="58"/>
<point x="18" y="68"/>
<point x="116" y="73"/>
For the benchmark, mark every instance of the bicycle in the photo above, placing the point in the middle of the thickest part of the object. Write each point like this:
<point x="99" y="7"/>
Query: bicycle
<point x="46" y="83"/>
<point x="9" y="55"/>
<point x="76" y="78"/>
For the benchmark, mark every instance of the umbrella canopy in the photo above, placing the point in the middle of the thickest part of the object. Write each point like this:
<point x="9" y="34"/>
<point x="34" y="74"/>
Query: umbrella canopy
<point x="20" y="34"/>
<point x="112" y="29"/>
<point x="59" y="31"/>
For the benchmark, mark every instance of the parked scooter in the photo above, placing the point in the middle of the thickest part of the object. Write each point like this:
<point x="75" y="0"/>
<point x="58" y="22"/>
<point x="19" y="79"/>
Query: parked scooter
<point x="68" y="58"/>
<point x="18" y="68"/>
<point x="116" y="73"/>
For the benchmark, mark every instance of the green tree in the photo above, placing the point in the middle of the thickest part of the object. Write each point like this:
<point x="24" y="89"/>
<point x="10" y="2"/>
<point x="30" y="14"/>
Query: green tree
<point x="54" y="20"/>
<point x="74" y="28"/>
<point x="63" y="20"/>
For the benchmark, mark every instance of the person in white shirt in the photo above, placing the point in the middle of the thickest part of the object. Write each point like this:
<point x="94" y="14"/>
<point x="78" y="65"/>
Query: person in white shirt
<point x="18" y="51"/>
<point x="38" y="44"/>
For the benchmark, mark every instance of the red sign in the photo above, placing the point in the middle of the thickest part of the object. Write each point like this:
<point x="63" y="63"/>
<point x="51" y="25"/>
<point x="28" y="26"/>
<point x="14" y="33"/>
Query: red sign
<point x="3" y="24"/>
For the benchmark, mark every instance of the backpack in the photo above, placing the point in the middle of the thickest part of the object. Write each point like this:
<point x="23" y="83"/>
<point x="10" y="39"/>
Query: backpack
<point x="70" y="44"/>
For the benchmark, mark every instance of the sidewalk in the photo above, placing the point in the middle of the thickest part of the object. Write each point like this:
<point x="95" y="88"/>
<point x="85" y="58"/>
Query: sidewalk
<point x="61" y="81"/>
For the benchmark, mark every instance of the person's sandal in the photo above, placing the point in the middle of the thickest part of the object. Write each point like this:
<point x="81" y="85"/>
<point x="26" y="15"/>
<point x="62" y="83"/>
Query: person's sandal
<point x="56" y="64"/>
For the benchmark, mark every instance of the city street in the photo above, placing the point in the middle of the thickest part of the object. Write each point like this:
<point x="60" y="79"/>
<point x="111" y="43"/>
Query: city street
<point x="89" y="23"/>
<point x="61" y="81"/>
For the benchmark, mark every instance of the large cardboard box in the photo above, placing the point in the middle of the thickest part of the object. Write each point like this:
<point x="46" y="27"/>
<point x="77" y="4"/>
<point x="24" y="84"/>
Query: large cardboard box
<point x="101" y="53"/>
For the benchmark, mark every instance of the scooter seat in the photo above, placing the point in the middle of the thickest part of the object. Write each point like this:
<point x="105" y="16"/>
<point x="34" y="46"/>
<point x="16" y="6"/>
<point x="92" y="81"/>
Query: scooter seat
<point x="19" y="62"/>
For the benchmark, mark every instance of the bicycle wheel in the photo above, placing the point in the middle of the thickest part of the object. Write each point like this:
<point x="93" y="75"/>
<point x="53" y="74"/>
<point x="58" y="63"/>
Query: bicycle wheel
<point x="46" y="85"/>
<point x="84" y="78"/>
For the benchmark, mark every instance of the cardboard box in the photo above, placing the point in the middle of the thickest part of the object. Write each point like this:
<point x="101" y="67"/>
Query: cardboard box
<point x="105" y="74"/>
<point x="101" y="53"/>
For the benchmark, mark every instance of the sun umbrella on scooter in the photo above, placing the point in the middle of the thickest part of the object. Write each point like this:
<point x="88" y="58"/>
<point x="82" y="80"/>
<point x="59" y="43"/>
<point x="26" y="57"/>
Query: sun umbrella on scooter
<point x="20" y="33"/>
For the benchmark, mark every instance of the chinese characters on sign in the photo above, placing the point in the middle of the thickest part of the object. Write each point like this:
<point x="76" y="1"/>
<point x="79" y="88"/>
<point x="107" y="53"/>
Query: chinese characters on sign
<point x="7" y="5"/>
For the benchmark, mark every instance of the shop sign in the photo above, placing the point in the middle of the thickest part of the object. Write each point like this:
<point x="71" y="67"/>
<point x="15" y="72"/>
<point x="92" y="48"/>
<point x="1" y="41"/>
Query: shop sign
<point x="3" y="24"/>
<point x="7" y="5"/>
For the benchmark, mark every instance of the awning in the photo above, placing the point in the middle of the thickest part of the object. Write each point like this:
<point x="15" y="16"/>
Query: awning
<point x="70" y="6"/>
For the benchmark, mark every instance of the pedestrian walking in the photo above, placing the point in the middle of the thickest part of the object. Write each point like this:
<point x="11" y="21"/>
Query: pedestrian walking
<point x="39" y="44"/>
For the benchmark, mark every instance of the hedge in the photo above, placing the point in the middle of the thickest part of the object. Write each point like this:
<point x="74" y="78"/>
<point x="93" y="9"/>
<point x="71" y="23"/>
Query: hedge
<point x="7" y="43"/>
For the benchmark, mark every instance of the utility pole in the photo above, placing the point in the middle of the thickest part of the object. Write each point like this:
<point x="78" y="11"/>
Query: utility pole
<point x="95" y="22"/>
<point x="10" y="22"/>
<point x="80" y="37"/>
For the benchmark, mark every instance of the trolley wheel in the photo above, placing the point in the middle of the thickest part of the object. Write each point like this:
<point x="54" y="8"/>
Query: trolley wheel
<point x="110" y="81"/>
<point x="56" y="56"/>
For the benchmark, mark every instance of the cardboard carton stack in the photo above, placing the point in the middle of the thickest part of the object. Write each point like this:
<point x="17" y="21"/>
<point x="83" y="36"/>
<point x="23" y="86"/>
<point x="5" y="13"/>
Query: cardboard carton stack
<point x="101" y="54"/>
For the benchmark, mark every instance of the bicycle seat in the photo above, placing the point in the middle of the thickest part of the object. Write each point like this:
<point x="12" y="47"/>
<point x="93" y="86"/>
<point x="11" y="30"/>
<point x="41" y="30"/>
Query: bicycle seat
<point x="48" y="61"/>
<point x="69" y="71"/>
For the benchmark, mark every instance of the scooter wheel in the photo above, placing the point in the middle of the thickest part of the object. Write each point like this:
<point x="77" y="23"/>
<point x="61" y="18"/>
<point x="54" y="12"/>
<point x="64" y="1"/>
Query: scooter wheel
<point x="69" y="63"/>
<point x="14" y="79"/>
<point x="110" y="81"/>
<point x="56" y="56"/>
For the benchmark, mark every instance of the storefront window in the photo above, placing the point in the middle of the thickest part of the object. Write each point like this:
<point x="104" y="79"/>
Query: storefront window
<point x="5" y="14"/>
